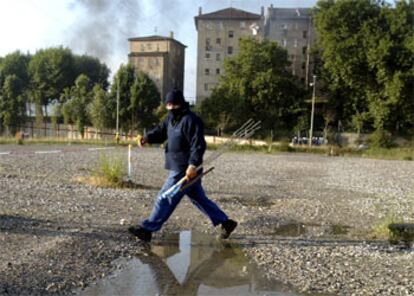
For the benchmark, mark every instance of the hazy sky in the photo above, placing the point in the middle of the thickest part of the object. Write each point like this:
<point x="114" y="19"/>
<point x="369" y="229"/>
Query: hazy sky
<point x="101" y="27"/>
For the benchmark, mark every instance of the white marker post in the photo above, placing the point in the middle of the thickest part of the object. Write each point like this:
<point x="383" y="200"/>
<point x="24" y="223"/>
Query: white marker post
<point x="129" y="162"/>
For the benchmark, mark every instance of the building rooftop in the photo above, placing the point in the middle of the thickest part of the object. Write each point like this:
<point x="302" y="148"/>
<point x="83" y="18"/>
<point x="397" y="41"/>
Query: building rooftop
<point x="155" y="38"/>
<point x="227" y="14"/>
<point x="289" y="12"/>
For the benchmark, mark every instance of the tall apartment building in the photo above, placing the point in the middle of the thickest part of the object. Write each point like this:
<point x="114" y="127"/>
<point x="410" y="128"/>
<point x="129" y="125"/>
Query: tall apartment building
<point x="218" y="38"/>
<point x="161" y="58"/>
<point x="292" y="28"/>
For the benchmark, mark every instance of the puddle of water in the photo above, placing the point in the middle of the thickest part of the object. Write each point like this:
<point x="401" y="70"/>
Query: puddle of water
<point x="189" y="263"/>
<point x="298" y="229"/>
<point x="291" y="229"/>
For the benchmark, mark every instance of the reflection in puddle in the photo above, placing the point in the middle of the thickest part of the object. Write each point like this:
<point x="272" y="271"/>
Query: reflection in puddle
<point x="189" y="263"/>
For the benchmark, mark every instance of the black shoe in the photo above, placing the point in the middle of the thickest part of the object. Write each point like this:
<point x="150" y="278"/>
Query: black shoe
<point x="141" y="233"/>
<point x="227" y="227"/>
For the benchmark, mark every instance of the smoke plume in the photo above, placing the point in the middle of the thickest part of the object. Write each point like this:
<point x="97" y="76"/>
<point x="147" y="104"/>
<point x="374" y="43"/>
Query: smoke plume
<point x="105" y="26"/>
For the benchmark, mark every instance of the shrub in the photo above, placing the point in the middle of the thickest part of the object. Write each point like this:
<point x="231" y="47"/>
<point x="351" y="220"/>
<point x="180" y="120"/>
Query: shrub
<point x="113" y="170"/>
<point x="381" y="138"/>
<point x="381" y="230"/>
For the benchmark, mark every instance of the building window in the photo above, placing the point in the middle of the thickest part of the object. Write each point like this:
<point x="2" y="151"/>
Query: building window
<point x="305" y="34"/>
<point x="206" y="71"/>
<point x="284" y="42"/>
<point x="242" y="25"/>
<point x="231" y="34"/>
<point x="218" y="41"/>
<point x="208" y="45"/>
<point x="158" y="47"/>
<point x="303" y="65"/>
<point x="142" y="47"/>
<point x="205" y="86"/>
<point x="284" y="26"/>
<point x="304" y="49"/>
<point x="207" y="55"/>
<point x="149" y="45"/>
<point x="218" y="57"/>
<point x="230" y="50"/>
<point x="218" y="71"/>
<point x="295" y="43"/>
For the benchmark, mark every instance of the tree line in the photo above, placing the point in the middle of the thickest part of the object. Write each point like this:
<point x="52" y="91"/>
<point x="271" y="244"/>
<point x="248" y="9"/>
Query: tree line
<point x="77" y="86"/>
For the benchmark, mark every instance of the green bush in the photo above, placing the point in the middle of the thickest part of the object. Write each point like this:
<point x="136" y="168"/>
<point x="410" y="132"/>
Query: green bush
<point x="283" y="147"/>
<point x="381" y="138"/>
<point x="381" y="230"/>
<point x="112" y="169"/>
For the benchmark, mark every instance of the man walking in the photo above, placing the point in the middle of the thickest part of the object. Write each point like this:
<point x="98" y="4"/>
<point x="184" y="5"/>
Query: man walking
<point x="184" y="132"/>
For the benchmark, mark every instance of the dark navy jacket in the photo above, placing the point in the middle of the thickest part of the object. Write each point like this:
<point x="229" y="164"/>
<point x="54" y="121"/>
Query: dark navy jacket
<point x="186" y="144"/>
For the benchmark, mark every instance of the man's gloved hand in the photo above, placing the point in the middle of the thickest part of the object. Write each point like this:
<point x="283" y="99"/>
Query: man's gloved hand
<point x="191" y="172"/>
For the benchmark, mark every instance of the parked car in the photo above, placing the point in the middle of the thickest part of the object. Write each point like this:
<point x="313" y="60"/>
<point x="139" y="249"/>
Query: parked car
<point x="304" y="141"/>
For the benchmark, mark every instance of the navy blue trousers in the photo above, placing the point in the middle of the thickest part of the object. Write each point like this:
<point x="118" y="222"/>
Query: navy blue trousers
<point x="164" y="207"/>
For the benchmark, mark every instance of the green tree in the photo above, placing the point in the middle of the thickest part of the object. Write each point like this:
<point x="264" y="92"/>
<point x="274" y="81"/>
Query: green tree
<point x="391" y="60"/>
<point x="145" y="98"/>
<point x="122" y="81"/>
<point x="51" y="71"/>
<point x="16" y="64"/>
<point x="257" y="84"/>
<point x="75" y="110"/>
<point x="97" y="71"/>
<point x="12" y="104"/>
<point x="99" y="109"/>
<point x="368" y="60"/>
<point x="138" y="98"/>
<point x="223" y="110"/>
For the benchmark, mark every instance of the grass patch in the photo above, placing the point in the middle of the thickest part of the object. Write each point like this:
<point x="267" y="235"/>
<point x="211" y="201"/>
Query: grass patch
<point x="381" y="229"/>
<point x="390" y="153"/>
<point x="102" y="182"/>
<point x="110" y="172"/>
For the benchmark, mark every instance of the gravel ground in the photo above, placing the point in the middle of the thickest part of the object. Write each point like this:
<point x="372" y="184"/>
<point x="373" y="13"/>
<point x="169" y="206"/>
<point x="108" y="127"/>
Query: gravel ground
<point x="307" y="218"/>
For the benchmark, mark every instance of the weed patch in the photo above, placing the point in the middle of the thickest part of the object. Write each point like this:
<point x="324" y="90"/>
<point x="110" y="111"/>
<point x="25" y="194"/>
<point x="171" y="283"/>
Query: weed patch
<point x="110" y="171"/>
<point x="381" y="229"/>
